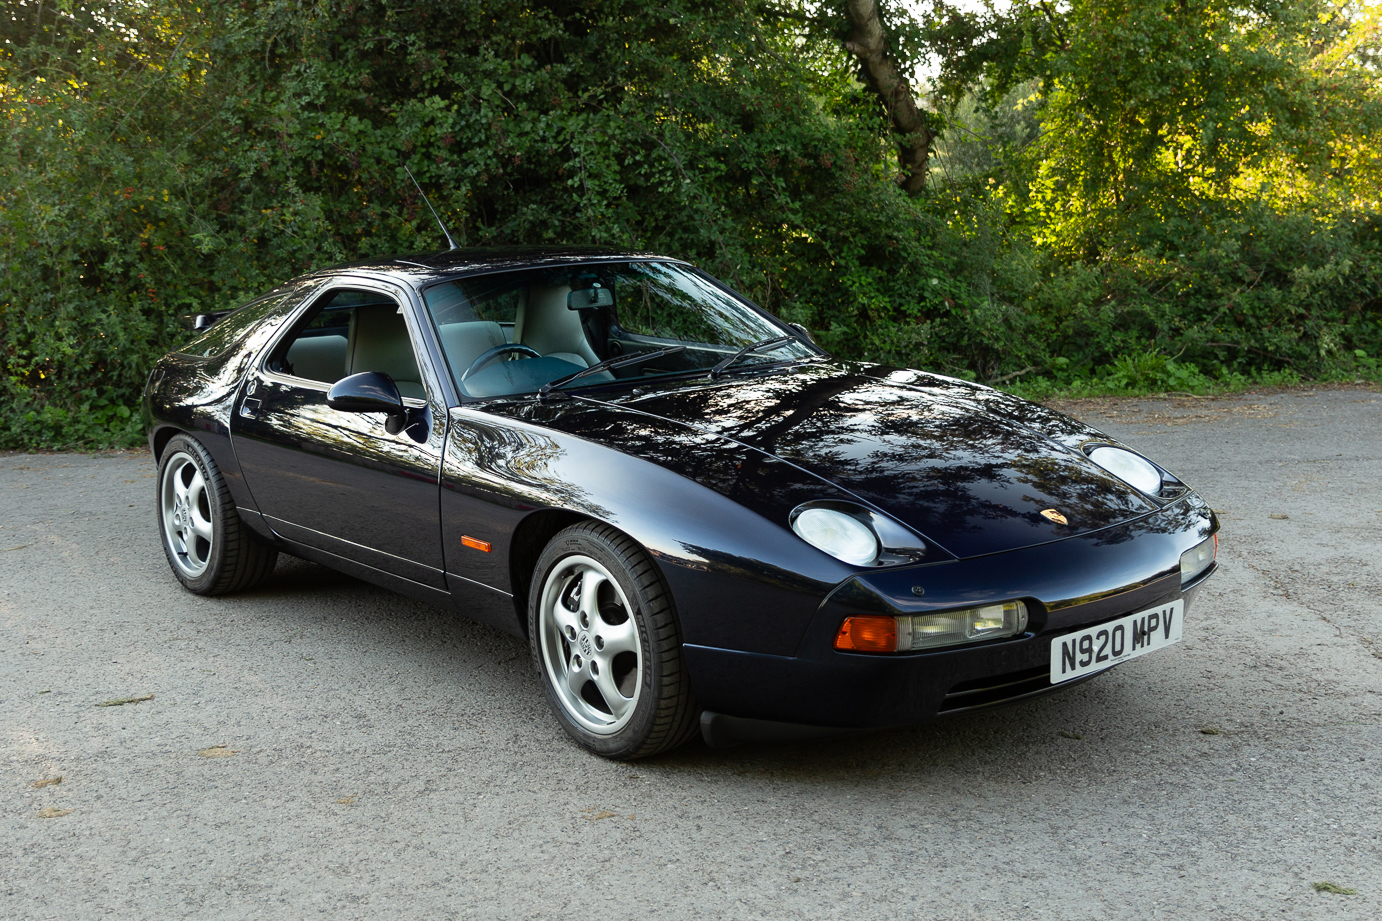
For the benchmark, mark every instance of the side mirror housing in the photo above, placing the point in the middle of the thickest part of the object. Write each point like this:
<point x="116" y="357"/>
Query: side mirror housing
<point x="805" y="333"/>
<point x="366" y="392"/>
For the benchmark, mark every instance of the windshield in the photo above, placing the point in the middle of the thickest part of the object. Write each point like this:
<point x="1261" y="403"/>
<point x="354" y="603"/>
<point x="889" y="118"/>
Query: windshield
<point x="513" y="332"/>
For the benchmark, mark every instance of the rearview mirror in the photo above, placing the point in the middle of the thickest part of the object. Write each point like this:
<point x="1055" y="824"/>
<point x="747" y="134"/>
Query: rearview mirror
<point x="587" y="298"/>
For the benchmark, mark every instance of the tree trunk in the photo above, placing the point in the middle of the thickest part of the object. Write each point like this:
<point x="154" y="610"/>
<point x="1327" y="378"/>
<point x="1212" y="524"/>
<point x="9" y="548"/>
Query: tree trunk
<point x="867" y="42"/>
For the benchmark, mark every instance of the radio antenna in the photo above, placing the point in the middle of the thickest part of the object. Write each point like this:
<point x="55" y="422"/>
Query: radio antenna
<point x="444" y="231"/>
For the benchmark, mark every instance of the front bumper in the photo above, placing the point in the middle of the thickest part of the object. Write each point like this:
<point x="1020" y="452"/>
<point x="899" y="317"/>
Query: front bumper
<point x="1068" y="585"/>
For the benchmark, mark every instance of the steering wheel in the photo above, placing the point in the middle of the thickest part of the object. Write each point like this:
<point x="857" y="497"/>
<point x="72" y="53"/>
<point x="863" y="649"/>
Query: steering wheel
<point x="490" y="357"/>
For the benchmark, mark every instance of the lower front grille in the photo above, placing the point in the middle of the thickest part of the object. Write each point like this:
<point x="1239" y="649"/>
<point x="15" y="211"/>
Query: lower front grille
<point x="996" y="689"/>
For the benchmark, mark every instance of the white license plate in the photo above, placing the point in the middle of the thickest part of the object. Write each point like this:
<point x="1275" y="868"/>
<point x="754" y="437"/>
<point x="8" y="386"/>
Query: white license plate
<point x="1097" y="648"/>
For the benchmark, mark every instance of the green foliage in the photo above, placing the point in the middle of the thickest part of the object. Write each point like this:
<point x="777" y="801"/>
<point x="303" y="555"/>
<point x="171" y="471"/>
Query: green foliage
<point x="179" y="163"/>
<point x="1282" y="293"/>
<point x="1175" y="180"/>
<point x="1106" y="206"/>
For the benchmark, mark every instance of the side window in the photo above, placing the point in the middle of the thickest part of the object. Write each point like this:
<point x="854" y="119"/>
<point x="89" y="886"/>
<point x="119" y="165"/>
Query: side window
<point x="349" y="331"/>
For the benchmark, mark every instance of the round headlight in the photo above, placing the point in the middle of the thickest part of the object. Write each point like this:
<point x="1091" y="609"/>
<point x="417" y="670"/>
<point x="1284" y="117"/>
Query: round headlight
<point x="1137" y="472"/>
<point x="842" y="536"/>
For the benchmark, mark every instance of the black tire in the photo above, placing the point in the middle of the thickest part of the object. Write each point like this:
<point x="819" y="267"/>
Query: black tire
<point x="661" y="713"/>
<point x="191" y="499"/>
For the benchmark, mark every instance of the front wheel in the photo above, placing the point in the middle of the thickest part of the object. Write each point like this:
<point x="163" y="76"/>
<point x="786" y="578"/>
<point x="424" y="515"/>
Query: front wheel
<point x="209" y="548"/>
<point x="606" y="643"/>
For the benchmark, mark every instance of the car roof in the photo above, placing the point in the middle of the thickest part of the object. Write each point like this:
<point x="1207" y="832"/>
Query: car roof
<point x="424" y="268"/>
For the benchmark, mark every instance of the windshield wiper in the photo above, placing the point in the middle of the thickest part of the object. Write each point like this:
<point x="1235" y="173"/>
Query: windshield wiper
<point x="608" y="364"/>
<point x="749" y="349"/>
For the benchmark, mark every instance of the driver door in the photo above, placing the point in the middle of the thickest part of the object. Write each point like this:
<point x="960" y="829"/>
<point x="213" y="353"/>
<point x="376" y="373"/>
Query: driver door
<point x="338" y="481"/>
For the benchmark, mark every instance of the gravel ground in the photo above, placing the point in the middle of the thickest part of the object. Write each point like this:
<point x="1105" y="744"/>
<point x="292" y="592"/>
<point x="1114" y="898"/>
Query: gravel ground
<point x="319" y="747"/>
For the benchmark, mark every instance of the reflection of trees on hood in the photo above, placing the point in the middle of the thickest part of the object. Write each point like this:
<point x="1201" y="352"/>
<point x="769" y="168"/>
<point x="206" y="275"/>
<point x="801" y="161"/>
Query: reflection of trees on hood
<point x="1056" y="425"/>
<point x="758" y="482"/>
<point x="943" y="465"/>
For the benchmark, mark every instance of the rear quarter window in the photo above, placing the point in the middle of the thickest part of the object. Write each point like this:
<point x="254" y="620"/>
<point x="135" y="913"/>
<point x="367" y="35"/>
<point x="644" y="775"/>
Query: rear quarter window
<point x="234" y="326"/>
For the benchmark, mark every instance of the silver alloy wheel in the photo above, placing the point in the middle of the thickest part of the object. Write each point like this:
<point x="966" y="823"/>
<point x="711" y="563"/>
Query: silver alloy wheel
<point x="186" y="507"/>
<point x="590" y="645"/>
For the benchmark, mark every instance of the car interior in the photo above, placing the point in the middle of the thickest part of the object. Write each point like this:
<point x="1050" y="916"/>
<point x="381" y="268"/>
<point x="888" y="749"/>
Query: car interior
<point x="474" y="332"/>
<point x="512" y="332"/>
<point x="353" y="331"/>
<point x="356" y="331"/>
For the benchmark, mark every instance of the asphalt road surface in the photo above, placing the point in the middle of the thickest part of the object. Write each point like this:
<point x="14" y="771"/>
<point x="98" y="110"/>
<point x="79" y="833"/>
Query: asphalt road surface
<point x="322" y="748"/>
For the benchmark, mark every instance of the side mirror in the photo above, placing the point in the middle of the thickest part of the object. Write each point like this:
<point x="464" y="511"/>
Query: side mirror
<point x="805" y="333"/>
<point x="366" y="392"/>
<point x="587" y="298"/>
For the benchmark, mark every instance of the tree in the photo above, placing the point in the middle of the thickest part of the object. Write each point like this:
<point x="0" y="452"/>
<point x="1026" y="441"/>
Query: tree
<point x="1175" y="114"/>
<point x="914" y="129"/>
<point x="1183" y="173"/>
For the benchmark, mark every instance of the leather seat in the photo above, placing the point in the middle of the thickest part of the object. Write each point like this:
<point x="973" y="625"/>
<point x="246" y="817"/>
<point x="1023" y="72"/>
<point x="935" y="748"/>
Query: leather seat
<point x="544" y="322"/>
<point x="319" y="358"/>
<point x="379" y="341"/>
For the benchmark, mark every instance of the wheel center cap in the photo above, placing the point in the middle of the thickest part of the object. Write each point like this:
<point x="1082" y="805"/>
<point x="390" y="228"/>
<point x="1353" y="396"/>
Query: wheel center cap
<point x="584" y="641"/>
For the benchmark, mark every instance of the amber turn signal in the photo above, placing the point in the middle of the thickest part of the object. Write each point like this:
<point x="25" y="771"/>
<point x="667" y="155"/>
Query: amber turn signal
<point x="871" y="633"/>
<point x="476" y="544"/>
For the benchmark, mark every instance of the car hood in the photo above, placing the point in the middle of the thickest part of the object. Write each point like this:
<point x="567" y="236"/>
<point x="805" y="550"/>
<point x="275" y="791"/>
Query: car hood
<point x="968" y="468"/>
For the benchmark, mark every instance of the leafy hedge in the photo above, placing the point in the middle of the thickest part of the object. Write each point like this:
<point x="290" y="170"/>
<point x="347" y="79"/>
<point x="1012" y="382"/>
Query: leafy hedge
<point x="159" y="163"/>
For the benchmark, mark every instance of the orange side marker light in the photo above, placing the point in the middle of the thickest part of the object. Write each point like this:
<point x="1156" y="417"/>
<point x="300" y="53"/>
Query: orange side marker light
<point x="871" y="633"/>
<point x="475" y="543"/>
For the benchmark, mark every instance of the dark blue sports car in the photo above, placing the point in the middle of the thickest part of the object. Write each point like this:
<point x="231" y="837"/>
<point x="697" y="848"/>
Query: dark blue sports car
<point x="697" y="518"/>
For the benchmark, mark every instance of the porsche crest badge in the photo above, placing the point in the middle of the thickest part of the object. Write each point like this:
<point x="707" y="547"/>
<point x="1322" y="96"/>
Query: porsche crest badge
<point x="1054" y="515"/>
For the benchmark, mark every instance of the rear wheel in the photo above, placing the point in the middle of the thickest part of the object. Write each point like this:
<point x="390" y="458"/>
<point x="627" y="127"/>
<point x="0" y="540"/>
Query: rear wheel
<point x="606" y="643"/>
<point x="209" y="548"/>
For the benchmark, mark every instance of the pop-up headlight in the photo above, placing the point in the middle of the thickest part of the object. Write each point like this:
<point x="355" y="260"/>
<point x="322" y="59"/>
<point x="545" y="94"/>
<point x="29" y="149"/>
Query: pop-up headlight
<point x="1136" y="471"/>
<point x="842" y="536"/>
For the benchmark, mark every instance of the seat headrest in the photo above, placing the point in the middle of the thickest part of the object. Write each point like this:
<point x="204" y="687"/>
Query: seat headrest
<point x="548" y="325"/>
<point x="379" y="342"/>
